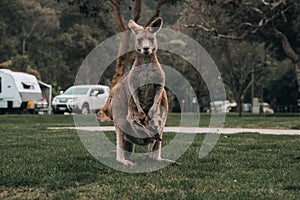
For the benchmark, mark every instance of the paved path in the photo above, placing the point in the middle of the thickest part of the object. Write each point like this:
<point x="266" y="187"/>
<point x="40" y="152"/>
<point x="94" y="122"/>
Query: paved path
<point x="196" y="130"/>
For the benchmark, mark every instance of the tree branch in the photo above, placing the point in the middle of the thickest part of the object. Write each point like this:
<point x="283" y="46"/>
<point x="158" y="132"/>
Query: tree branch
<point x="117" y="14"/>
<point x="286" y="46"/>
<point x="137" y="10"/>
<point x="247" y="88"/>
<point x="264" y="20"/>
<point x="255" y="27"/>
<point x="273" y="5"/>
<point x="216" y="33"/>
<point x="265" y="3"/>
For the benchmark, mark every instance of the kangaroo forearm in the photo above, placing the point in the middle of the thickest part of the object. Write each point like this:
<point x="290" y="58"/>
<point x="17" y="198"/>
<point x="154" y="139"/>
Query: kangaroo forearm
<point x="158" y="95"/>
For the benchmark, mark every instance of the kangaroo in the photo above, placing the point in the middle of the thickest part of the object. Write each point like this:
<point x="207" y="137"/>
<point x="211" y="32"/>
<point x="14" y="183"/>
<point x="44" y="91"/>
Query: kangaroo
<point x="138" y="103"/>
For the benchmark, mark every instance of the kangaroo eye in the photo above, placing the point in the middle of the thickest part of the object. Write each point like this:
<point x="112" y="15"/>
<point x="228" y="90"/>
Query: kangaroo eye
<point x="151" y="40"/>
<point x="140" y="40"/>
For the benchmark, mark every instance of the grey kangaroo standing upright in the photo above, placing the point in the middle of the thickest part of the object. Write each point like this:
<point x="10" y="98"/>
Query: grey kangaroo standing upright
<point x="138" y="103"/>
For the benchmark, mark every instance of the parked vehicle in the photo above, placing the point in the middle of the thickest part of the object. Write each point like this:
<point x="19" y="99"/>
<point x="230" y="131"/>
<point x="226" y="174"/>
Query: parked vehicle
<point x="81" y="99"/>
<point x="266" y="108"/>
<point x="19" y="92"/>
<point x="41" y="107"/>
<point x="247" y="107"/>
<point x="221" y="106"/>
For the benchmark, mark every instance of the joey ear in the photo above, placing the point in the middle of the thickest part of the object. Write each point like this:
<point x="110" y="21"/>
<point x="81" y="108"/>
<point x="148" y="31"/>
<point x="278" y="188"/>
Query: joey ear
<point x="156" y="25"/>
<point x="134" y="27"/>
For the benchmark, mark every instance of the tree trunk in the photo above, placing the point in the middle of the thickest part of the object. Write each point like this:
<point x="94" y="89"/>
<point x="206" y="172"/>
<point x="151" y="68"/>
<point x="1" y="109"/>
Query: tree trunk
<point x="290" y="53"/>
<point x="297" y="68"/>
<point x="123" y="58"/>
<point x="239" y="105"/>
<point x="24" y="47"/>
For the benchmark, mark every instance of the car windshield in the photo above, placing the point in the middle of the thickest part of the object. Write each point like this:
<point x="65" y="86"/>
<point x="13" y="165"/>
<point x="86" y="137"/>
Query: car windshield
<point x="74" y="90"/>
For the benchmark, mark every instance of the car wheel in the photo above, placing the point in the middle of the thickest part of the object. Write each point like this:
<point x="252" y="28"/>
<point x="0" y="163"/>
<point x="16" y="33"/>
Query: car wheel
<point x="55" y="111"/>
<point x="85" y="109"/>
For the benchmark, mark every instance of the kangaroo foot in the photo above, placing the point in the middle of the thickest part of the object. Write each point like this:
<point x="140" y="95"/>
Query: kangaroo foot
<point x="126" y="162"/>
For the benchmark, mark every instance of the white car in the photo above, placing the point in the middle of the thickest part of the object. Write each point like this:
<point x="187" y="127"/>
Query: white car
<point x="81" y="99"/>
<point x="266" y="108"/>
<point x="221" y="106"/>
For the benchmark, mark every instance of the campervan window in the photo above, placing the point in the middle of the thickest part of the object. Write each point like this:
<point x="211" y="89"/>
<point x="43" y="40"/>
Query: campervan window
<point x="27" y="86"/>
<point x="0" y="84"/>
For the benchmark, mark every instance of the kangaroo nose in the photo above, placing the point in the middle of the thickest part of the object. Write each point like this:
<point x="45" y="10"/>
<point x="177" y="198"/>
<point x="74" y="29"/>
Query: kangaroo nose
<point x="146" y="49"/>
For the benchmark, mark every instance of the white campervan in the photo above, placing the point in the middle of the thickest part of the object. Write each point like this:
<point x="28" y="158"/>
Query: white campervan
<point x="18" y="90"/>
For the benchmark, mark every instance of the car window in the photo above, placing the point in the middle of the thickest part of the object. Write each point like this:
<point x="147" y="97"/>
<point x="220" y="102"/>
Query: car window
<point x="97" y="91"/>
<point x="74" y="90"/>
<point x="100" y="91"/>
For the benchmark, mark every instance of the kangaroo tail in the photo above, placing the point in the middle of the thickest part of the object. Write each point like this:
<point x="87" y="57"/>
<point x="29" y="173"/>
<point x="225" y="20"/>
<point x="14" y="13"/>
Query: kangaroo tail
<point x="105" y="114"/>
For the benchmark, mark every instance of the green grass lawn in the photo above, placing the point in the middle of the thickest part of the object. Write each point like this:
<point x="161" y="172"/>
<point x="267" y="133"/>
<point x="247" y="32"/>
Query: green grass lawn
<point x="39" y="163"/>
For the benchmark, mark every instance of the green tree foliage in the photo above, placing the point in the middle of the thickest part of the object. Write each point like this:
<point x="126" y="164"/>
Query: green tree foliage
<point x="276" y="23"/>
<point x="242" y="65"/>
<point x="11" y="15"/>
<point x="273" y="24"/>
<point x="281" y="91"/>
<point x="52" y="38"/>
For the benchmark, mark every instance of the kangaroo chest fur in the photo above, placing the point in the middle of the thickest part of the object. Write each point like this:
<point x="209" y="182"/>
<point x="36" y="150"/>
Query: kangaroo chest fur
<point x="145" y="78"/>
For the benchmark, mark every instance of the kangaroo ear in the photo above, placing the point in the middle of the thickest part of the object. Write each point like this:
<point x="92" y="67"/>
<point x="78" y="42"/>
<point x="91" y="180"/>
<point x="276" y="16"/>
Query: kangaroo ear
<point x="134" y="27"/>
<point x="156" y="25"/>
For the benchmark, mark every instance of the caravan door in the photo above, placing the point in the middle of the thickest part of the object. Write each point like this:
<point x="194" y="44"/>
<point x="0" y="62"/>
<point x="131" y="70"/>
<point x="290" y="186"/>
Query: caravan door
<point x="9" y="96"/>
